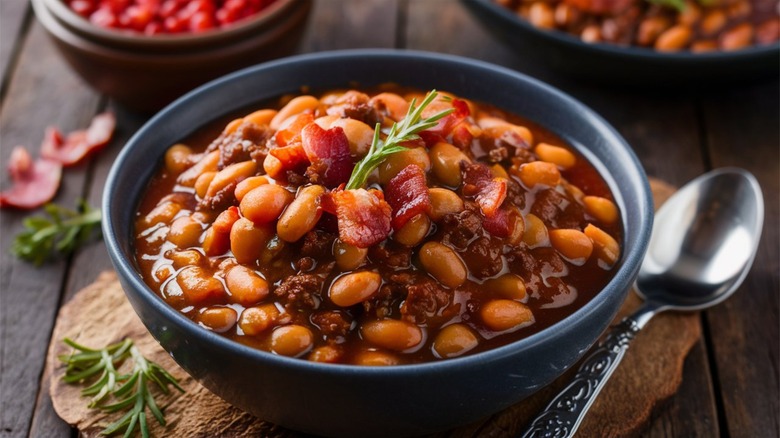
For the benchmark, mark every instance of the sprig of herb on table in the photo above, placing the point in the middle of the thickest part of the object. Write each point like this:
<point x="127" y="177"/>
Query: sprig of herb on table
<point x="678" y="4"/>
<point x="403" y="131"/>
<point x="134" y="392"/>
<point x="61" y="232"/>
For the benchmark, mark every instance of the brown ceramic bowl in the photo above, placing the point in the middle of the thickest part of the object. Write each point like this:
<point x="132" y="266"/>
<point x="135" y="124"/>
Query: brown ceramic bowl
<point x="147" y="72"/>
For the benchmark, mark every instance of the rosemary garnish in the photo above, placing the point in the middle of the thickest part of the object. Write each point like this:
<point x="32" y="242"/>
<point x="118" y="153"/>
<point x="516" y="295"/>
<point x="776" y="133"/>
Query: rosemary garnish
<point x="406" y="130"/>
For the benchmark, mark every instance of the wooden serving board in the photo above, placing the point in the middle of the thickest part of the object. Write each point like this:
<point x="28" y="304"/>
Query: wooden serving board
<point x="99" y="314"/>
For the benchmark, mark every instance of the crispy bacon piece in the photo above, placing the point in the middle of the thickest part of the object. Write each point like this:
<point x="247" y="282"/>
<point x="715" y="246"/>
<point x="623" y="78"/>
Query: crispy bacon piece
<point x="489" y="192"/>
<point x="291" y="157"/>
<point x="290" y="130"/>
<point x="35" y="182"/>
<point x="331" y="148"/>
<point x="363" y="216"/>
<point x="407" y="194"/>
<point x="78" y="144"/>
<point x="446" y="124"/>
<point x="498" y="224"/>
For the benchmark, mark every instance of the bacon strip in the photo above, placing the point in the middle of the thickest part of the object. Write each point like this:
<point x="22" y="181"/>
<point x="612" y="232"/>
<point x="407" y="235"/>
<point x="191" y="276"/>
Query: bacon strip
<point x="34" y="182"/>
<point x="446" y="124"/>
<point x="363" y="216"/>
<point x="331" y="148"/>
<point x="78" y="144"/>
<point x="489" y="192"/>
<point x="498" y="224"/>
<point x="407" y="194"/>
<point x="291" y="157"/>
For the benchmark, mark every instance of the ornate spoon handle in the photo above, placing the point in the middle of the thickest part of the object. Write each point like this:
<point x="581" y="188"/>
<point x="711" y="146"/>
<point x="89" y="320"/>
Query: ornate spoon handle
<point x="562" y="417"/>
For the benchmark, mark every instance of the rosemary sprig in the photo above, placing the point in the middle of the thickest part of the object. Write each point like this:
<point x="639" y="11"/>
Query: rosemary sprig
<point x="62" y="232"/>
<point x="406" y="130"/>
<point x="134" y="395"/>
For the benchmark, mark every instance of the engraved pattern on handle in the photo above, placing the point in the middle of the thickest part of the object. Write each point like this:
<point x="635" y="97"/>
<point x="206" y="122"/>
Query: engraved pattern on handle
<point x="563" y="415"/>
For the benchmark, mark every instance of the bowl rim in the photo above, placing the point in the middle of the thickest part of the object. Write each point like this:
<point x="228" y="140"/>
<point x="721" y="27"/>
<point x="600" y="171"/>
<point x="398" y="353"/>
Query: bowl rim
<point x="640" y="53"/>
<point x="60" y="11"/>
<point x="127" y="271"/>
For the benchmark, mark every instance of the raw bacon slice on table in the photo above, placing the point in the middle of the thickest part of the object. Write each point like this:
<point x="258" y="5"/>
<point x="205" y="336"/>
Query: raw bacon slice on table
<point x="77" y="145"/>
<point x="34" y="182"/>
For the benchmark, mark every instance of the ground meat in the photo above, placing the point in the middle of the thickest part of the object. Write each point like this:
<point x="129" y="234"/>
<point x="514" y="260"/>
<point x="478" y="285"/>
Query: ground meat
<point x="300" y="291"/>
<point x="522" y="262"/>
<point x="547" y="206"/>
<point x="355" y="106"/>
<point x="248" y="142"/>
<point x="460" y="228"/>
<point x="305" y="264"/>
<point x="390" y="254"/>
<point x="515" y="194"/>
<point x="318" y="245"/>
<point x="220" y="200"/>
<point x="498" y="154"/>
<point x="333" y="323"/>
<point x="316" y="171"/>
<point x="382" y="303"/>
<point x="483" y="257"/>
<point x="424" y="299"/>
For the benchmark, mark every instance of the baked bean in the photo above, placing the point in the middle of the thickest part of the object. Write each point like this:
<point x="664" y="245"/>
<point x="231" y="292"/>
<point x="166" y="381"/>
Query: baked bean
<point x="605" y="247"/>
<point x="539" y="172"/>
<point x="738" y="37"/>
<point x="444" y="202"/>
<point x="413" y="231"/>
<point x="509" y="286"/>
<point x="557" y="155"/>
<point x="301" y="215"/>
<point x="325" y="354"/>
<point x="499" y="171"/>
<point x="273" y="167"/>
<point x="185" y="232"/>
<point x="247" y="240"/>
<point x="218" y="318"/>
<point x="359" y="135"/>
<point x="591" y="34"/>
<point x="445" y="162"/>
<point x="188" y="257"/>
<point x="246" y="286"/>
<point x="375" y="359"/>
<point x="703" y="46"/>
<point x="162" y="273"/>
<point x="603" y="209"/>
<point x="261" y="117"/>
<point x="690" y="14"/>
<point x="208" y="163"/>
<point x="396" y="106"/>
<point x="202" y="183"/>
<point x="713" y="21"/>
<point x="265" y="203"/>
<point x="443" y="263"/>
<point x="255" y="320"/>
<point x="541" y="15"/>
<point x="177" y="158"/>
<point x="536" y="233"/>
<point x="502" y="315"/>
<point x="650" y="28"/>
<point x="395" y="163"/>
<point x="392" y="334"/>
<point x="768" y="31"/>
<point x="572" y="244"/>
<point x="215" y="242"/>
<point x="353" y="288"/>
<point x="295" y="106"/>
<point x="230" y="175"/>
<point x="454" y="340"/>
<point x="197" y="285"/>
<point x="348" y="257"/>
<point x="163" y="213"/>
<point x="232" y="126"/>
<point x="566" y="15"/>
<point x="291" y="340"/>
<point x="516" y="226"/>
<point x="739" y="9"/>
<point x="494" y="127"/>
<point x="325" y="122"/>
<point x="247" y="185"/>
<point x="574" y="191"/>
<point x="673" y="39"/>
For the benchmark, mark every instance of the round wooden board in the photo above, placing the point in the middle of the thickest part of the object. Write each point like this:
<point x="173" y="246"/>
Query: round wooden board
<point x="99" y="314"/>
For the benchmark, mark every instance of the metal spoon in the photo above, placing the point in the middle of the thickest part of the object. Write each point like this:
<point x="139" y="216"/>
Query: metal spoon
<point x="703" y="242"/>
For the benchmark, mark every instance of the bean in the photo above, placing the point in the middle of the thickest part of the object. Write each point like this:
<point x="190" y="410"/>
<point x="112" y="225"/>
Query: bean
<point x="603" y="209"/>
<point x="768" y="31"/>
<point x="557" y="155"/>
<point x="703" y="46"/>
<point x="493" y="127"/>
<point x="392" y="334"/>
<point x="197" y="285"/>
<point x="690" y="14"/>
<point x="536" y="233"/>
<point x="232" y="126"/>
<point x="566" y="15"/>
<point x="293" y="107"/>
<point x="443" y="263"/>
<point x="541" y="15"/>
<point x="177" y="158"/>
<point x="509" y="286"/>
<point x="215" y="242"/>
<point x="445" y="162"/>
<point x="230" y="175"/>
<point x="502" y="315"/>
<point x="413" y="231"/>
<point x="359" y="135"/>
<point x="739" y="9"/>
<point x="188" y="257"/>
<point x="539" y="172"/>
<point x="572" y="244"/>
<point x="395" y="163"/>
<point x="574" y="191"/>
<point x="591" y="34"/>
<point x="265" y="203"/>
<point x="650" y="28"/>
<point x="673" y="39"/>
<point x="395" y="105"/>
<point x="325" y="122"/>
<point x="247" y="240"/>
<point x="353" y="288"/>
<point x="738" y="37"/>
<point x="218" y="318"/>
<point x="516" y="226"/>
<point x="444" y="202"/>
<point x="605" y="247"/>
<point x="454" y="340"/>
<point x="202" y="183"/>
<point x="273" y="167"/>
<point x="255" y="320"/>
<point x="348" y="257"/>
<point x="246" y="286"/>
<point x="261" y="117"/>
<point x="291" y="340"/>
<point x="301" y="215"/>
<point x="713" y="22"/>
<point x="375" y="359"/>
<point x="247" y="185"/>
<point x="163" y="213"/>
<point x="499" y="171"/>
<point x="326" y="354"/>
<point x="207" y="163"/>
<point x="185" y="232"/>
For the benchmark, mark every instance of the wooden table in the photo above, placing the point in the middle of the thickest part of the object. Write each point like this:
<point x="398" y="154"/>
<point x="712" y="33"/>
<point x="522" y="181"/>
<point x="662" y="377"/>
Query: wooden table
<point x="731" y="379"/>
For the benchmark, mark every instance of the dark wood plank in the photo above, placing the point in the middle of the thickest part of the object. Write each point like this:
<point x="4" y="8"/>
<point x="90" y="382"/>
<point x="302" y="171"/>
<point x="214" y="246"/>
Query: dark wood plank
<point x="742" y="130"/>
<point x="338" y="24"/>
<point x="42" y="91"/>
<point x="13" y="16"/>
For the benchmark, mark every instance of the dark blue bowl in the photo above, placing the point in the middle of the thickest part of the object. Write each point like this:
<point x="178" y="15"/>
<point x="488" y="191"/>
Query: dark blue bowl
<point x="361" y="401"/>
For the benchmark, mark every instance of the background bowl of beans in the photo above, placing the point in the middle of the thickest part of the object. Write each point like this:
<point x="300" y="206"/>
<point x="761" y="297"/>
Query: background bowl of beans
<point x="642" y="43"/>
<point x="146" y="54"/>
<point x="288" y="383"/>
